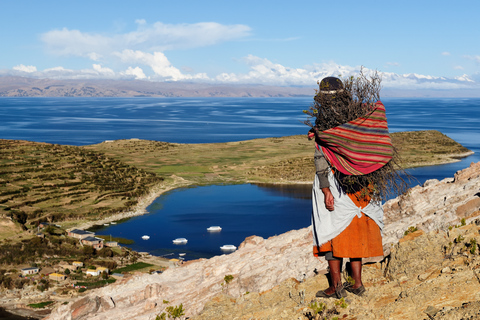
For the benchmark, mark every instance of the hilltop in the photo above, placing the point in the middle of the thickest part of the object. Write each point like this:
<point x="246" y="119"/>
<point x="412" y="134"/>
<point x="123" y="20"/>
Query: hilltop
<point x="429" y="273"/>
<point x="14" y="86"/>
<point x="30" y="87"/>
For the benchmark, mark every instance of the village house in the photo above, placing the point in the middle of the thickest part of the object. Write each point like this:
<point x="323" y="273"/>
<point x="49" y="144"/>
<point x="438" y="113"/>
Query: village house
<point x="92" y="272"/>
<point x="111" y="244"/>
<point x="57" y="276"/>
<point x="96" y="243"/>
<point x="27" y="271"/>
<point x="77" y="264"/>
<point x="103" y="269"/>
<point x="64" y="265"/>
<point x="96" y="272"/>
<point x="80" y="234"/>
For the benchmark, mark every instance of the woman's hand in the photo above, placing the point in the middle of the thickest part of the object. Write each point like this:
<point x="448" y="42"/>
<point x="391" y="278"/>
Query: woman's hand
<point x="329" y="203"/>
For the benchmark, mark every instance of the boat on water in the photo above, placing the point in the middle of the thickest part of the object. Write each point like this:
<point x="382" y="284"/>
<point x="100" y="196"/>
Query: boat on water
<point x="214" y="229"/>
<point x="228" y="247"/>
<point x="145" y="237"/>
<point x="105" y="224"/>
<point x="113" y="223"/>
<point x="182" y="254"/>
<point x="180" y="241"/>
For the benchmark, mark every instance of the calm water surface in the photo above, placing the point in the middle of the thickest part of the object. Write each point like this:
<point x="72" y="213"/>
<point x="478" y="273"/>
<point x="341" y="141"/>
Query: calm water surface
<point x="241" y="210"/>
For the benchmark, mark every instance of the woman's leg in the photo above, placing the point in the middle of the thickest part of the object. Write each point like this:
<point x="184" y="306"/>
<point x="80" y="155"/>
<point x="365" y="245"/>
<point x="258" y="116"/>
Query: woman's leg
<point x="356" y="266"/>
<point x="335" y="275"/>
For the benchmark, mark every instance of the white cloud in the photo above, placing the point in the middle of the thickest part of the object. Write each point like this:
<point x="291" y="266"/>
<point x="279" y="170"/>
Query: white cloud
<point x="393" y="64"/>
<point x="261" y="71"/>
<point x="75" y="43"/>
<point x="28" y="69"/>
<point x="94" y="56"/>
<point x="445" y="53"/>
<point x="474" y="58"/>
<point x="136" y="72"/>
<point x="159" y="64"/>
<point x="266" y="72"/>
<point x="149" y="38"/>
<point x="107" y="72"/>
<point x="458" y="67"/>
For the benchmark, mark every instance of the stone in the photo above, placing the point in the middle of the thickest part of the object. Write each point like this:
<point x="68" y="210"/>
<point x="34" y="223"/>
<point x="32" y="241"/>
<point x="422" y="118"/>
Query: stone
<point x="446" y="270"/>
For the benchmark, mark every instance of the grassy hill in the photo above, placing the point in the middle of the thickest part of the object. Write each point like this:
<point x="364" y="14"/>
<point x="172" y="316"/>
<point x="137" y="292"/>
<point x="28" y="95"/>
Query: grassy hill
<point x="46" y="182"/>
<point x="273" y="160"/>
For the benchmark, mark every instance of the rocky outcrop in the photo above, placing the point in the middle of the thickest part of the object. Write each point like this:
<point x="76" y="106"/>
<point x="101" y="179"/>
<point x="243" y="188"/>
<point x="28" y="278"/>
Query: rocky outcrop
<point x="435" y="205"/>
<point x="257" y="266"/>
<point x="425" y="277"/>
<point x="283" y="266"/>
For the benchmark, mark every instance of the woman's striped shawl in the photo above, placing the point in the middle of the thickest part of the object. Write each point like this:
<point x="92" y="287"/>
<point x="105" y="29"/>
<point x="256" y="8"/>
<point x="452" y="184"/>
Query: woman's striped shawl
<point x="360" y="146"/>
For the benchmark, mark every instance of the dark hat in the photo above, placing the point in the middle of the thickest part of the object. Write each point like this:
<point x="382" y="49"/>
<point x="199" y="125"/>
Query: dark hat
<point x="330" y="85"/>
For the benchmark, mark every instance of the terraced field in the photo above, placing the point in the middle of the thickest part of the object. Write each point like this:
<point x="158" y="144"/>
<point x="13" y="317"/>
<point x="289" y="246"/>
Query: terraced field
<point x="45" y="182"/>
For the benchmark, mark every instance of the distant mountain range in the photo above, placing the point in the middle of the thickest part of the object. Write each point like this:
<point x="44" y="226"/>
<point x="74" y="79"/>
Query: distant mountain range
<point x="13" y="86"/>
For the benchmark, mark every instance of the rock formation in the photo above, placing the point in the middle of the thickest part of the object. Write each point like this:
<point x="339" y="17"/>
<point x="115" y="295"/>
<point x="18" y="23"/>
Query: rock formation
<point x="429" y="273"/>
<point x="435" y="205"/>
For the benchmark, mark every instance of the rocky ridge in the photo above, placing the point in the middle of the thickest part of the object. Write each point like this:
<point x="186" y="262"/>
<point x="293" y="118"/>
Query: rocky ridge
<point x="430" y="273"/>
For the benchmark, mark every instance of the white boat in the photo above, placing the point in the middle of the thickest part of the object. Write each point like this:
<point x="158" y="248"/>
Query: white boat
<point x="113" y="223"/>
<point x="105" y="224"/>
<point x="214" y="229"/>
<point x="180" y="241"/>
<point x="228" y="247"/>
<point x="145" y="237"/>
<point x="182" y="254"/>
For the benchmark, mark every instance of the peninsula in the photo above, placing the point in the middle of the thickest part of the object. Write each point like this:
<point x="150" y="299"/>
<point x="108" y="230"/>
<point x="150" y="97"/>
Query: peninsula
<point x="64" y="188"/>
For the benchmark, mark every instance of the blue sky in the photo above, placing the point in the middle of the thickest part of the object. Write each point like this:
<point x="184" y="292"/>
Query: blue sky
<point x="428" y="44"/>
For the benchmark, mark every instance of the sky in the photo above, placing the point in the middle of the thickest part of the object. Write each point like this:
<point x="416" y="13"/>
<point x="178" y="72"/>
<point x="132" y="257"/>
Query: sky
<point x="412" y="44"/>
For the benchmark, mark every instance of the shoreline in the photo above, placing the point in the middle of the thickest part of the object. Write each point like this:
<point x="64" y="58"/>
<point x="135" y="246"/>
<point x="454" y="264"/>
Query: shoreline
<point x="141" y="207"/>
<point x="178" y="182"/>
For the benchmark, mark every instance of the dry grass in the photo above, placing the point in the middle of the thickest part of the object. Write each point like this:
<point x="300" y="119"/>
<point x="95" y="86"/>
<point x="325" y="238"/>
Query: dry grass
<point x="280" y="160"/>
<point x="40" y="182"/>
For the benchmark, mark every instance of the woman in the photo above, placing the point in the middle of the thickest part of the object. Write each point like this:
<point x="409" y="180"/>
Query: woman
<point x="353" y="154"/>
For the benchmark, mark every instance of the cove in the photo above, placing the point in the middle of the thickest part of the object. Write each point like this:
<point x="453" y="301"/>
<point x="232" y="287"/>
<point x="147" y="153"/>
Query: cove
<point x="241" y="210"/>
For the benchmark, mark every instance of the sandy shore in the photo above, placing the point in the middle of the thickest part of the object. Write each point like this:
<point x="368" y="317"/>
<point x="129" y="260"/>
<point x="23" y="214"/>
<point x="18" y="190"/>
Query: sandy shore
<point x="142" y="205"/>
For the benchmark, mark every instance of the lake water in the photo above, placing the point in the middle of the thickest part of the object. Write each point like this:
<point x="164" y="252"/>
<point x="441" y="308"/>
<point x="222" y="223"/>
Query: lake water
<point x="241" y="210"/>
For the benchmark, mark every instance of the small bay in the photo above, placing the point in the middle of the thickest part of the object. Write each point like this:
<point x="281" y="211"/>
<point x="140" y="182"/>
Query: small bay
<point x="241" y="210"/>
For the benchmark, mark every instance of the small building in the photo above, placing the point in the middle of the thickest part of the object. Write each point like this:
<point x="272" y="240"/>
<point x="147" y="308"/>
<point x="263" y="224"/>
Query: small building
<point x="27" y="271"/>
<point x="77" y="264"/>
<point x="92" y="272"/>
<point x="57" y="276"/>
<point x="102" y="270"/>
<point x="111" y="244"/>
<point x="95" y="242"/>
<point x="80" y="234"/>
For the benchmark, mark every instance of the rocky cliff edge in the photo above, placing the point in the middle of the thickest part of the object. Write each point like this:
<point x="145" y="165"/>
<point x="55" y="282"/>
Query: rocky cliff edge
<point x="427" y="274"/>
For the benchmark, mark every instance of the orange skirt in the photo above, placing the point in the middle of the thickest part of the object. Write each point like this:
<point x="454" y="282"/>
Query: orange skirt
<point x="361" y="239"/>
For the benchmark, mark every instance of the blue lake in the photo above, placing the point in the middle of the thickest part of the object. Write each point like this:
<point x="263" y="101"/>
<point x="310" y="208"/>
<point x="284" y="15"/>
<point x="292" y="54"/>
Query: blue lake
<point x="241" y="210"/>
